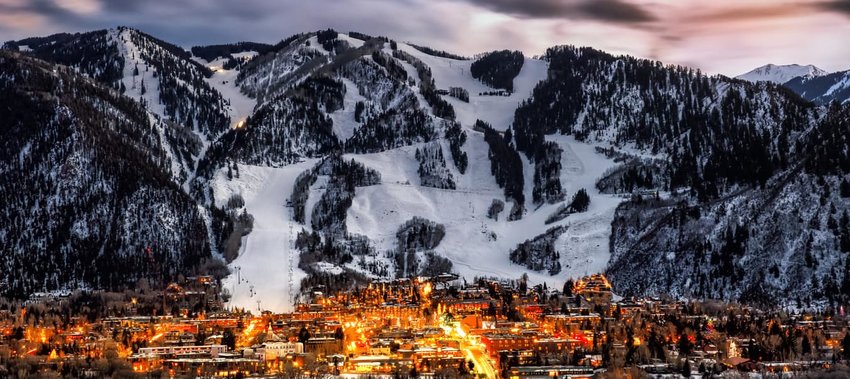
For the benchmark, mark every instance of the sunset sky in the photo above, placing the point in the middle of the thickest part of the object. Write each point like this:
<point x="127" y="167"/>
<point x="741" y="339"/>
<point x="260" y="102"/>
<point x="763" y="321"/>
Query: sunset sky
<point x="719" y="36"/>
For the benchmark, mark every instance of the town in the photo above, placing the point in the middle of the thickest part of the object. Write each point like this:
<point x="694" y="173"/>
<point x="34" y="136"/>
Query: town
<point x="440" y="327"/>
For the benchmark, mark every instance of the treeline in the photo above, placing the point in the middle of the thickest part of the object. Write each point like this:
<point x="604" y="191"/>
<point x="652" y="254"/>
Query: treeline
<point x="828" y="145"/>
<point x="428" y="264"/>
<point x="506" y="167"/>
<point x="329" y="213"/>
<point x="391" y="129"/>
<point x="328" y="92"/>
<point x="498" y="68"/>
<point x="281" y="132"/>
<point x="327" y="38"/>
<point x="433" y="171"/>
<point x="547" y="174"/>
<point x="189" y="100"/>
<point x="419" y="234"/>
<point x="539" y="253"/>
<point x="415" y="236"/>
<point x="300" y="194"/>
<point x="213" y="52"/>
<point x="579" y="203"/>
<point x="636" y="174"/>
<point x="91" y="53"/>
<point x="438" y="53"/>
<point x="439" y="106"/>
<point x="457" y="138"/>
<point x="394" y="69"/>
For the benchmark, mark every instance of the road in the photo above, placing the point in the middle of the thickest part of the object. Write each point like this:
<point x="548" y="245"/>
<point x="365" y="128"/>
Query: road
<point x="483" y="367"/>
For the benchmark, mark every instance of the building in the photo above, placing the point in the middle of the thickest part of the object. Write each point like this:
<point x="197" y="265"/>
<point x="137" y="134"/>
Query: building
<point x="595" y="288"/>
<point x="323" y="346"/>
<point x="176" y="351"/>
<point x="541" y="372"/>
<point x="279" y="350"/>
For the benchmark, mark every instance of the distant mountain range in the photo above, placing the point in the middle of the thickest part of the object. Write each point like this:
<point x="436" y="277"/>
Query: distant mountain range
<point x="330" y="158"/>
<point x="808" y="81"/>
<point x="780" y="74"/>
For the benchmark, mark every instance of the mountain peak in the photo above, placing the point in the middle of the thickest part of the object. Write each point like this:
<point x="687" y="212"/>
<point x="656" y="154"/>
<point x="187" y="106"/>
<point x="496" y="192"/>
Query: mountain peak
<point x="780" y="74"/>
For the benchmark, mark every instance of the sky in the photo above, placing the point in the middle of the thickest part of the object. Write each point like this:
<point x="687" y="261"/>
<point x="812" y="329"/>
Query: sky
<point x="718" y="36"/>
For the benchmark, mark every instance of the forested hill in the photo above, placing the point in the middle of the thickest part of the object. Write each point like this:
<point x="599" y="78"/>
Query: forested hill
<point x="88" y="195"/>
<point x="749" y="176"/>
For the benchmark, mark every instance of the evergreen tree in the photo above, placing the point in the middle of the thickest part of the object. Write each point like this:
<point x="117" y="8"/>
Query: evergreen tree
<point x="581" y="201"/>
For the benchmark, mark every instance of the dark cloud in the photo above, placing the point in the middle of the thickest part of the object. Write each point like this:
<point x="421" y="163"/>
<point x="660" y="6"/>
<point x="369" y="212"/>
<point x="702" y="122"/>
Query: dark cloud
<point x="838" y="6"/>
<point x="673" y="31"/>
<point x="613" y="11"/>
<point x="243" y="9"/>
<point x="41" y="7"/>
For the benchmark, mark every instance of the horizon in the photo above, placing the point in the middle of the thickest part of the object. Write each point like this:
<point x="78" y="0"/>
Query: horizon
<point x="421" y="43"/>
<point x="721" y="38"/>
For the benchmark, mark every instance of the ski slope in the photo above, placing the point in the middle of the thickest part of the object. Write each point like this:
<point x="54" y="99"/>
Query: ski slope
<point x="344" y="123"/>
<point x="378" y="211"/>
<point x="240" y="106"/>
<point x="496" y="110"/>
<point x="266" y="270"/>
<point x="780" y="74"/>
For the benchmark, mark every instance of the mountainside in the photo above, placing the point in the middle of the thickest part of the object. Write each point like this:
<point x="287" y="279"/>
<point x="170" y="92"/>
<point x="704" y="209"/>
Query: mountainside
<point x="823" y="89"/>
<point x="88" y="194"/>
<point x="330" y="158"/>
<point x="780" y="74"/>
<point x="733" y="204"/>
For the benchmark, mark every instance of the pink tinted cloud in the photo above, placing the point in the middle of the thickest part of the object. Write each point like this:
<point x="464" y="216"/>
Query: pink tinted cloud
<point x="721" y="36"/>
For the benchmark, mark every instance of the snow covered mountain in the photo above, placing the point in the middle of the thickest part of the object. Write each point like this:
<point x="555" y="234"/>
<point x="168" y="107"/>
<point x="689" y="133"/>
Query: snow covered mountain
<point x="331" y="158"/>
<point x="823" y="89"/>
<point x="780" y="74"/>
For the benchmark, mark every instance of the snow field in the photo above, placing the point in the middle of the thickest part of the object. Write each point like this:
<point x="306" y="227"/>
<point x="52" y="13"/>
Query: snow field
<point x="266" y="269"/>
<point x="496" y="110"/>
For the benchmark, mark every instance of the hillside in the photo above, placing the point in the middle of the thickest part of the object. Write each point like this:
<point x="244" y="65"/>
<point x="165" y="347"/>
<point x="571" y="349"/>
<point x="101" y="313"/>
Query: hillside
<point x="331" y="158"/>
<point x="89" y="199"/>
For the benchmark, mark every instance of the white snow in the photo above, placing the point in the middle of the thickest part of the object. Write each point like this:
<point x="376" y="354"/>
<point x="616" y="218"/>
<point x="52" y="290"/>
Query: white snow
<point x="245" y="54"/>
<point x="133" y="59"/>
<point x="224" y="81"/>
<point x="354" y="42"/>
<point x="477" y="245"/>
<point x="133" y="85"/>
<point x="343" y="120"/>
<point x="496" y="110"/>
<point x="780" y="74"/>
<point x="378" y="211"/>
<point x="840" y="85"/>
<point x="584" y="247"/>
<point x="266" y="269"/>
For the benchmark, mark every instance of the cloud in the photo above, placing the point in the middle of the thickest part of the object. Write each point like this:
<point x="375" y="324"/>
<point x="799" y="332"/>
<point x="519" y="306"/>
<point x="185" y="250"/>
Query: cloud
<point x="613" y="11"/>
<point x="837" y="6"/>
<point x="719" y="36"/>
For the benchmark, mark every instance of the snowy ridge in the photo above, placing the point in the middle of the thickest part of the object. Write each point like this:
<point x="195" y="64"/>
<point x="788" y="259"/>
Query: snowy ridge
<point x="498" y="111"/>
<point x="239" y="105"/>
<point x="780" y="74"/>
<point x="823" y="89"/>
